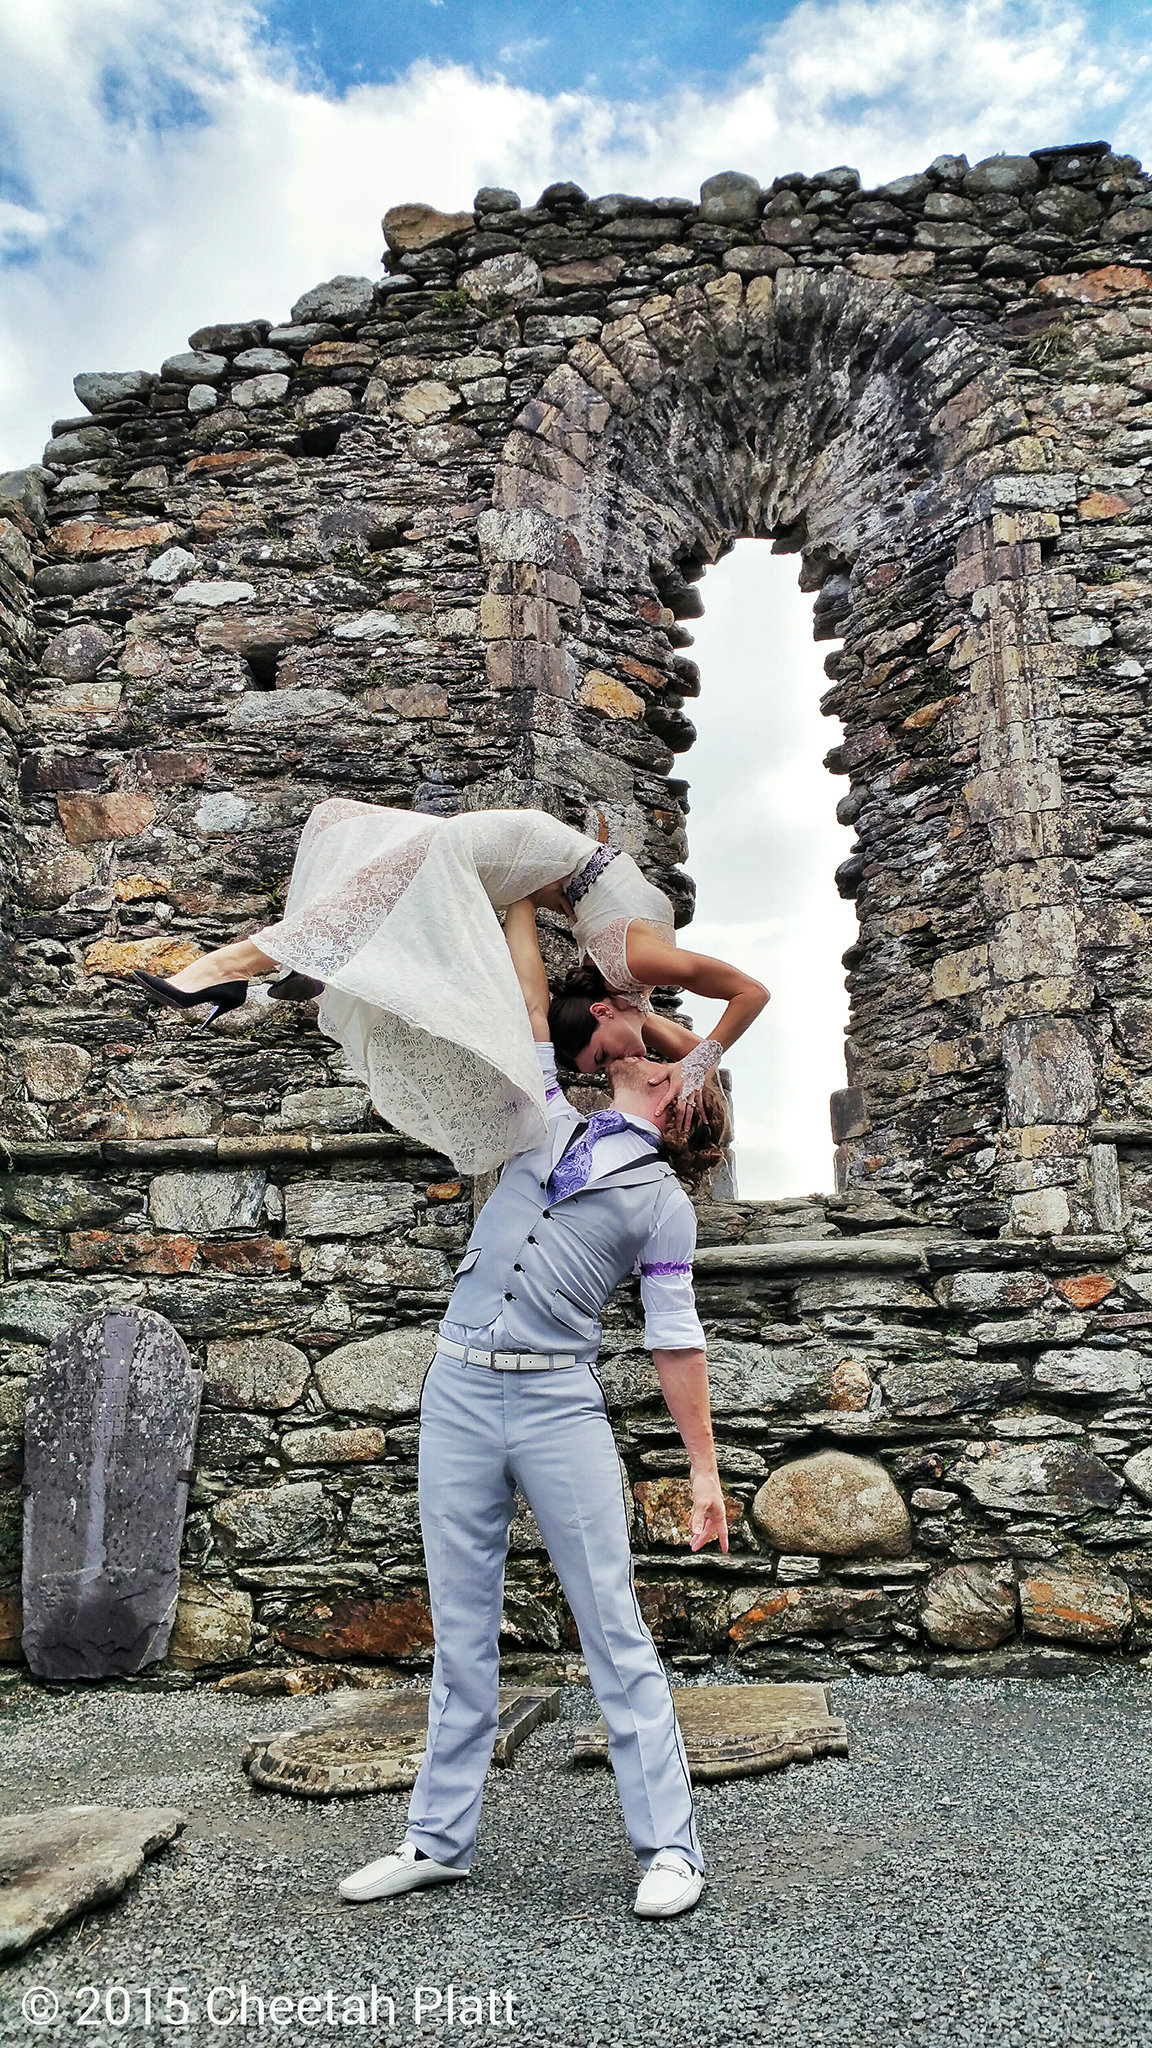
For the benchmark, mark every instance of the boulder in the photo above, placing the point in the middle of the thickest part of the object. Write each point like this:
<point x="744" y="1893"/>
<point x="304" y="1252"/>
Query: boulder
<point x="1074" y="1607"/>
<point x="1138" y="1473"/>
<point x="68" y="1859"/>
<point x="213" y="1625"/>
<point x="75" y="654"/>
<point x="730" y="198"/>
<point x="98" y="389"/>
<point x="341" y="299"/>
<point x="204" y="1203"/>
<point x="377" y="1376"/>
<point x="1083" y="1370"/>
<point x="81" y="444"/>
<point x="1050" y="1478"/>
<point x="194" y="366"/>
<point x="410" y="228"/>
<point x="276" y="1522"/>
<point x="833" y="1505"/>
<point x="502" y="281"/>
<point x="969" y="1606"/>
<point x="262" y="1373"/>
<point x="399" y="1626"/>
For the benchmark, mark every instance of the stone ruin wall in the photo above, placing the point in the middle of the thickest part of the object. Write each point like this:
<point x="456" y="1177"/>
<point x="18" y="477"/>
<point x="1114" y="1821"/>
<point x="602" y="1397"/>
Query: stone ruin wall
<point x="434" y="543"/>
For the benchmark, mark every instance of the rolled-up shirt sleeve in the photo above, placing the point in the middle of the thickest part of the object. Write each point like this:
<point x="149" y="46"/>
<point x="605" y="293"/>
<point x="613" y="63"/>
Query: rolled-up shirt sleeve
<point x="665" y="1268"/>
<point x="556" y="1101"/>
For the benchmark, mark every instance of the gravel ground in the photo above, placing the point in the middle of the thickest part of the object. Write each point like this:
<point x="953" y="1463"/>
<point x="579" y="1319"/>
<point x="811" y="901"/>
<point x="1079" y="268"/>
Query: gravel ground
<point x="977" y="1872"/>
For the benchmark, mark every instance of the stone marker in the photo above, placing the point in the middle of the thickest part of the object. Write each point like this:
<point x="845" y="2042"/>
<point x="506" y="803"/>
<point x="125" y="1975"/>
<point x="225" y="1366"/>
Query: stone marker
<point x="57" y="1864"/>
<point x="108" y="1450"/>
<point x="376" y="1742"/>
<point x="737" y="1731"/>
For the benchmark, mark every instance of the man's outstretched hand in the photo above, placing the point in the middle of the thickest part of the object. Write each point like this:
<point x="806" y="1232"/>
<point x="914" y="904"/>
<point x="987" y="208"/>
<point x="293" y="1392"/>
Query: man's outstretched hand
<point x="709" y="1520"/>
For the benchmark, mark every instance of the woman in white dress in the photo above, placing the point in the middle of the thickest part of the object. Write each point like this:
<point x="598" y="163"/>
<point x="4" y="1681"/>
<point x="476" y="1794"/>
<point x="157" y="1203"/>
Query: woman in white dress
<point x="391" y="918"/>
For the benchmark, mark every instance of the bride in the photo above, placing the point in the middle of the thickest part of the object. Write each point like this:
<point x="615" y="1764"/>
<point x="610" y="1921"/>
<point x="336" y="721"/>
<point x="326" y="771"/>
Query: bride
<point x="391" y="918"/>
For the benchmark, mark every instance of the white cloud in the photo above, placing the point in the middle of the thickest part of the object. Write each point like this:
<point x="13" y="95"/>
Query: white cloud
<point x="172" y="168"/>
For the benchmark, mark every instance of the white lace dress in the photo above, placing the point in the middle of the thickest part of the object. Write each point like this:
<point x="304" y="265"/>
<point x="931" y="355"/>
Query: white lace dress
<point x="395" y="912"/>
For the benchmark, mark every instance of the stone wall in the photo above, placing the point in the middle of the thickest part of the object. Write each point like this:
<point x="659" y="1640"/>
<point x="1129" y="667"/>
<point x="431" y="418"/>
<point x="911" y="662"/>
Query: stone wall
<point x="434" y="542"/>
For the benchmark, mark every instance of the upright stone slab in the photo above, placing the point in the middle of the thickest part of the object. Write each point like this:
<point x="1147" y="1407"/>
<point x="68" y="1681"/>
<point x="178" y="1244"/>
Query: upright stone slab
<point x="108" y="1450"/>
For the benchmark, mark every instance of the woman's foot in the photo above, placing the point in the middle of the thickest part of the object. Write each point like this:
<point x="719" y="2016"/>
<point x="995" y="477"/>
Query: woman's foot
<point x="221" y="996"/>
<point x="238" y="962"/>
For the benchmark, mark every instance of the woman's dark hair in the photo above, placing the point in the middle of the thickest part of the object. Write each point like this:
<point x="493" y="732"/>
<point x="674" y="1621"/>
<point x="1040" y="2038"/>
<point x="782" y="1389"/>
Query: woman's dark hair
<point x="570" y="1019"/>
<point x="704" y="1148"/>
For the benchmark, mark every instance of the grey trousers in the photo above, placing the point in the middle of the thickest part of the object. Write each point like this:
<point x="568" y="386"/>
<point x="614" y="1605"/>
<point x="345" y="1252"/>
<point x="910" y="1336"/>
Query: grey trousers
<point x="482" y="1433"/>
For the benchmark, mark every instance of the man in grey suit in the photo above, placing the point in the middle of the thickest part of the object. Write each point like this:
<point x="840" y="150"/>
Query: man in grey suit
<point x="511" y="1399"/>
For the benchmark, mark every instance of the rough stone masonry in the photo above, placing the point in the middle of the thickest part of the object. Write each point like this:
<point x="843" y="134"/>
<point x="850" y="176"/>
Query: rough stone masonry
<point x="434" y="542"/>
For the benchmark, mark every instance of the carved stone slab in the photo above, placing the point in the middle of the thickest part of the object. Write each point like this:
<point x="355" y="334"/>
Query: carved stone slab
<point x="737" y="1731"/>
<point x="59" y="1863"/>
<point x="375" y="1743"/>
<point x="108" y="1449"/>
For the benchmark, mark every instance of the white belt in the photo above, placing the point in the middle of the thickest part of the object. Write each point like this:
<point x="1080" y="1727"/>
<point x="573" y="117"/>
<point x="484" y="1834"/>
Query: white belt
<point x="508" y="1361"/>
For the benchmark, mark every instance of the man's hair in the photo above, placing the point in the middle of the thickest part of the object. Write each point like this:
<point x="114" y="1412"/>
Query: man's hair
<point x="702" y="1151"/>
<point x="571" y="1024"/>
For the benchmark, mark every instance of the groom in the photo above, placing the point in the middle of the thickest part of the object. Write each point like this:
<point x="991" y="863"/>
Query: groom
<point x="512" y="1399"/>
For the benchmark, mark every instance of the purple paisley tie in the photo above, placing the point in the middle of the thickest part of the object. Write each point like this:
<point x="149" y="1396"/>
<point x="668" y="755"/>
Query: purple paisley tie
<point x="570" y="1174"/>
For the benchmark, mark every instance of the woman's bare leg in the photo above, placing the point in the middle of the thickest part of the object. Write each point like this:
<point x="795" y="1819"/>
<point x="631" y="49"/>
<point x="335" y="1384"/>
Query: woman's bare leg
<point x="238" y="962"/>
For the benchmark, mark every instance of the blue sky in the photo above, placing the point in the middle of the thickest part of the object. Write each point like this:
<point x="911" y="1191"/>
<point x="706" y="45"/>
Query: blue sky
<point x="166" y="164"/>
<point x="593" y="45"/>
<point x="643" y="48"/>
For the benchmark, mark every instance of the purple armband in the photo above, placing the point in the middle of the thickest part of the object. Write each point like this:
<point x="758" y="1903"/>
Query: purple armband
<point x="663" y="1269"/>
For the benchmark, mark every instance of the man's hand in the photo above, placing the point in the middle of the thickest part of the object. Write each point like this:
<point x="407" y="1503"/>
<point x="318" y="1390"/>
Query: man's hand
<point x="709" y="1520"/>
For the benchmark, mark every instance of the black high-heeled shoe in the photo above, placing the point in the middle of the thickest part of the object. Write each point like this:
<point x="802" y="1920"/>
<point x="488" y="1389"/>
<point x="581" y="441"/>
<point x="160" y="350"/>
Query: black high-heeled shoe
<point x="294" y="988"/>
<point x="223" y="995"/>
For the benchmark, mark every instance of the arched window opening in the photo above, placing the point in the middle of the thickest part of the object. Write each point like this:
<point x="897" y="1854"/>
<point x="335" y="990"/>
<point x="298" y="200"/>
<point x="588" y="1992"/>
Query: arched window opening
<point x="764" y="844"/>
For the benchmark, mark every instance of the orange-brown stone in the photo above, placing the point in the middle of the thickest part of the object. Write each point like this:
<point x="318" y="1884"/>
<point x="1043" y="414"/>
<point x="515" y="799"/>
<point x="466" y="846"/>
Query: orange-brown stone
<point x="91" y="537"/>
<point x="414" y="226"/>
<point x="338" y="355"/>
<point x="1114" y="281"/>
<point x="603" y="693"/>
<point x="1084" y="1290"/>
<point x="444" y="1191"/>
<point x="1070" y="1607"/>
<point x="123" y="814"/>
<point x="920" y="721"/>
<point x="160" y="955"/>
<point x="11" y="1624"/>
<point x="249" y="1255"/>
<point x="360" y="1628"/>
<point x="137" y="888"/>
<point x="666" y="1505"/>
<point x="851" y="1386"/>
<point x="1103" y="505"/>
<point x="235" y="458"/>
<point x="643" y="672"/>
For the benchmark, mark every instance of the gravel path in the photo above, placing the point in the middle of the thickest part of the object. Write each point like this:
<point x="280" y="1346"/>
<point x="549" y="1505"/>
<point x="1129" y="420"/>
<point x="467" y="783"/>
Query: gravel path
<point x="980" y="1871"/>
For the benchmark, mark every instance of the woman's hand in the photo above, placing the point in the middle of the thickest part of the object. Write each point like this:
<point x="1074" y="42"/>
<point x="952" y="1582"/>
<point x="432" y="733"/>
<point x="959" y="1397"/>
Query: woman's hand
<point x="683" y="1107"/>
<point x="709" y="1517"/>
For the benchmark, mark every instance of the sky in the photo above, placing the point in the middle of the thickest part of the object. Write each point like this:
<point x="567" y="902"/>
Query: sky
<point x="165" y="165"/>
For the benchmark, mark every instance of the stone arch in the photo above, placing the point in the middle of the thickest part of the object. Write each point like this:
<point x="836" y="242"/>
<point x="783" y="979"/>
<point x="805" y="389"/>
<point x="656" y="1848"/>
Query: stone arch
<point x="875" y="437"/>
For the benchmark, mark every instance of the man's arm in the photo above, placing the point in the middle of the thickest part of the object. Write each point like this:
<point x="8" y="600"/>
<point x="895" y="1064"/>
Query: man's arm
<point x="524" y="946"/>
<point x="684" y="1385"/>
<point x="673" y="1331"/>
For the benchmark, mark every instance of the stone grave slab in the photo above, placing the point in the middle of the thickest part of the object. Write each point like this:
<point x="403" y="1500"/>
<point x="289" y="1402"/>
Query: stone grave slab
<point x="738" y="1731"/>
<point x="108" y="1451"/>
<point x="60" y="1863"/>
<point x="375" y="1742"/>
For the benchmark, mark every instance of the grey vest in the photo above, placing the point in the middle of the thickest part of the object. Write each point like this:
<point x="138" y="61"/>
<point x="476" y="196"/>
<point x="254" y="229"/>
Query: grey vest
<point x="549" y="1268"/>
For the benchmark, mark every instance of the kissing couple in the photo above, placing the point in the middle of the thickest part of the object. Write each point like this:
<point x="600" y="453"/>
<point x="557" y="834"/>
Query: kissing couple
<point x="452" y="1023"/>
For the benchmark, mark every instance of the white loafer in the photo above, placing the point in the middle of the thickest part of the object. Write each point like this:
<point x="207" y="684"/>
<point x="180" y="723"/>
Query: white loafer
<point x="670" y="1885"/>
<point x="399" y="1872"/>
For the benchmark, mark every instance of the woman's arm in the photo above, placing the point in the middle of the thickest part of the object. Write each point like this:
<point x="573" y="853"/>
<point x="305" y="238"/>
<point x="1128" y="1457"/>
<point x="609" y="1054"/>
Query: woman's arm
<point x="524" y="946"/>
<point x="665" y="1036"/>
<point x="658" y="965"/>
